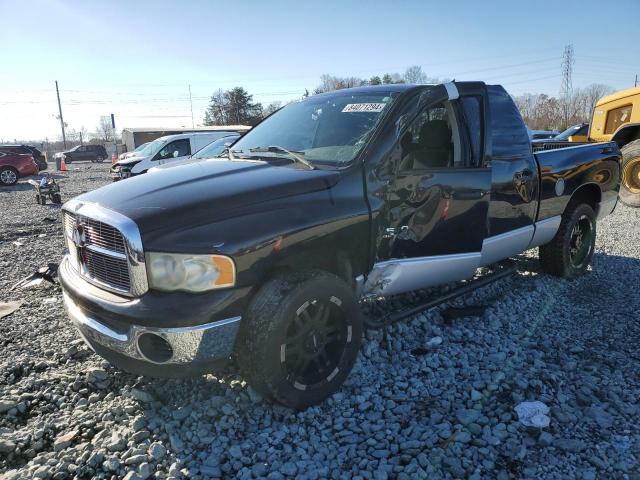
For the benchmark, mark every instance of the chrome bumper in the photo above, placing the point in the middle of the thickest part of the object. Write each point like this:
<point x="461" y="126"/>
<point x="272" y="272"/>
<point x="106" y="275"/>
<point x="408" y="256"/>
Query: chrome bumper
<point x="202" y="343"/>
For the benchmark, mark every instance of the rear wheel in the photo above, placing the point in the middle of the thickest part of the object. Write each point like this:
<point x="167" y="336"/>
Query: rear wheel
<point x="8" y="176"/>
<point x="630" y="177"/>
<point x="100" y="158"/>
<point x="300" y="338"/>
<point x="56" y="198"/>
<point x="569" y="253"/>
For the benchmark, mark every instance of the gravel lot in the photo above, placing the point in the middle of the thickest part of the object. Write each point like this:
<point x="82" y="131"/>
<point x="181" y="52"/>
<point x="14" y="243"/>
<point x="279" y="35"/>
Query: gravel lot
<point x="430" y="399"/>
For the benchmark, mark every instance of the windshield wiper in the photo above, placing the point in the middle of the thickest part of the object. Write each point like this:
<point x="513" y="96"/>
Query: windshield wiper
<point x="279" y="149"/>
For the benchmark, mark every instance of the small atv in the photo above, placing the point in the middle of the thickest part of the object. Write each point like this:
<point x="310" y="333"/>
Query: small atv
<point x="46" y="187"/>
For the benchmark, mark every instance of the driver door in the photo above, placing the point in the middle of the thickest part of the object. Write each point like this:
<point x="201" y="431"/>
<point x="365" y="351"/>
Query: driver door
<point x="435" y="215"/>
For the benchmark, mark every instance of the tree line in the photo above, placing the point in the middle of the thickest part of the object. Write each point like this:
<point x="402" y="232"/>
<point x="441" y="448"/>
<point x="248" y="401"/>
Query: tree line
<point x="544" y="112"/>
<point x="236" y="106"/>
<point x="540" y="111"/>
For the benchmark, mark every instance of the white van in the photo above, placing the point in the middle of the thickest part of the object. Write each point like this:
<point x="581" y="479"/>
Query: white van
<point x="170" y="148"/>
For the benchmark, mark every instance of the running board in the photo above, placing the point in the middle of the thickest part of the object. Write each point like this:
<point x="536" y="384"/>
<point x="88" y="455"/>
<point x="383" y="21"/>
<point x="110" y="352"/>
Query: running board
<point x="502" y="270"/>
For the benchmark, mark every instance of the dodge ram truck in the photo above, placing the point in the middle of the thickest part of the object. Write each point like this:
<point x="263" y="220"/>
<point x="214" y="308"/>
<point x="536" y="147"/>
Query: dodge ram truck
<point x="263" y="256"/>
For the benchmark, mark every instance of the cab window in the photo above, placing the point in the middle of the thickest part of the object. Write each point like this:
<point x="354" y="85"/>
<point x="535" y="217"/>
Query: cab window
<point x="617" y="117"/>
<point x="432" y="140"/>
<point x="182" y="147"/>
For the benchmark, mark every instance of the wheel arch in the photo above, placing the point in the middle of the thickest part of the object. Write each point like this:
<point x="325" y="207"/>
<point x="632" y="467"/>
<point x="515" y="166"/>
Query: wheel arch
<point x="589" y="193"/>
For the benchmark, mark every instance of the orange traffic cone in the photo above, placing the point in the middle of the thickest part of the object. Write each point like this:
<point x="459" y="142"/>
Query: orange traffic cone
<point x="63" y="166"/>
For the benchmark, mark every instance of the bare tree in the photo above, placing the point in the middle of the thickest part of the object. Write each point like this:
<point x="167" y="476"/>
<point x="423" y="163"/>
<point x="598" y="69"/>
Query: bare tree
<point x="272" y="107"/>
<point x="104" y="131"/>
<point x="329" y="83"/>
<point x="415" y="74"/>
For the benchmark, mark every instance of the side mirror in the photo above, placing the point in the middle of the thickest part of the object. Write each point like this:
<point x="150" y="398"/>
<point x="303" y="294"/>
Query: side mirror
<point x="176" y="153"/>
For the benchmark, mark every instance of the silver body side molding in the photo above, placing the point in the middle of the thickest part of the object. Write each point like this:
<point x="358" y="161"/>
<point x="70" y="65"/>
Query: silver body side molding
<point x="405" y="274"/>
<point x="402" y="275"/>
<point x="545" y="231"/>
<point x="506" y="245"/>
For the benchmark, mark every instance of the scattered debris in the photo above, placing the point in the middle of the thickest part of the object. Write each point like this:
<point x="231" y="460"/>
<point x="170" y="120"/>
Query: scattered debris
<point x="533" y="414"/>
<point x="18" y="244"/>
<point x="434" y="342"/>
<point x="50" y="300"/>
<point x="47" y="273"/>
<point x="7" y="308"/>
<point x="48" y="219"/>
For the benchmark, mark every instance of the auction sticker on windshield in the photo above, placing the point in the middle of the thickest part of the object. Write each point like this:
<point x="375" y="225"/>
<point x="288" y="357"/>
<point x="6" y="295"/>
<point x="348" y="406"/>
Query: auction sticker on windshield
<point x="363" y="107"/>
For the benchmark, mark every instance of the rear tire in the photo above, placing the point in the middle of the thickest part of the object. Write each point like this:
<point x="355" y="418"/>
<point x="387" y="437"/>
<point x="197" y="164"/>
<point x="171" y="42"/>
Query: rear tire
<point x="630" y="174"/>
<point x="8" y="176"/>
<point x="99" y="158"/>
<point x="300" y="338"/>
<point x="56" y="198"/>
<point x="569" y="253"/>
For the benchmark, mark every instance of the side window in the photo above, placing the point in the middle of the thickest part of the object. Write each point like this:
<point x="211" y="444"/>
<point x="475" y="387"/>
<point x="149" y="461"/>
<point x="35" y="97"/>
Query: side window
<point x="472" y="112"/>
<point x="617" y="117"/>
<point x="584" y="130"/>
<point x="183" y="148"/>
<point x="432" y="140"/>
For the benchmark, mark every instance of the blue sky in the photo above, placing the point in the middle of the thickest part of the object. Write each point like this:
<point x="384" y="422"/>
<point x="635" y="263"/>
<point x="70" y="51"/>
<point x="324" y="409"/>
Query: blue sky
<point x="136" y="58"/>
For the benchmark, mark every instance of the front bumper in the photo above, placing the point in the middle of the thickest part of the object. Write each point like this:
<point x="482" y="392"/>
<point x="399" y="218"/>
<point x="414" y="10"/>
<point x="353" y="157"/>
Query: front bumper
<point x="107" y="323"/>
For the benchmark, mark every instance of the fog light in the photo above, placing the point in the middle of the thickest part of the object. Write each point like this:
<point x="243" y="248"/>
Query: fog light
<point x="154" y="348"/>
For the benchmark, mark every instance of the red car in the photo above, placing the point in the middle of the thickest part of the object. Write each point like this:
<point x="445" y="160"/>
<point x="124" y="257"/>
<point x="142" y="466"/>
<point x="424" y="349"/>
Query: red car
<point x="13" y="166"/>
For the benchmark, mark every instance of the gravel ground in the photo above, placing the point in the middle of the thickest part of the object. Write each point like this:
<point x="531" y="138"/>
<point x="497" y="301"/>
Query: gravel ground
<point x="428" y="399"/>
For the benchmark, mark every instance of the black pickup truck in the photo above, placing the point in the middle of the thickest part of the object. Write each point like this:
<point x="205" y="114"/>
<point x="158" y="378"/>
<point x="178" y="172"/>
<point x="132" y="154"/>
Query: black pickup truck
<point x="263" y="255"/>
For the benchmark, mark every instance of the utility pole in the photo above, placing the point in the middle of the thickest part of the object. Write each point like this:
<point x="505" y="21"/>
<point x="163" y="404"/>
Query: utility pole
<point x="191" y="103"/>
<point x="636" y="82"/>
<point x="566" y="89"/>
<point x="64" y="139"/>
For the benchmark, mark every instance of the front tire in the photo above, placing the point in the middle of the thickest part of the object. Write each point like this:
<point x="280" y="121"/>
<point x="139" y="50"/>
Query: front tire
<point x="630" y="175"/>
<point x="8" y="176"/>
<point x="99" y="158"/>
<point x="300" y="338"/>
<point x="569" y="253"/>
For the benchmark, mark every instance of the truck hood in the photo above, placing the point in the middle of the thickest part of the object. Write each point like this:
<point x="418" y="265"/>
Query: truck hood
<point x="204" y="192"/>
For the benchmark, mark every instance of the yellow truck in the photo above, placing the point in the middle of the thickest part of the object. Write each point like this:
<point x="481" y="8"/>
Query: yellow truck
<point x="616" y="117"/>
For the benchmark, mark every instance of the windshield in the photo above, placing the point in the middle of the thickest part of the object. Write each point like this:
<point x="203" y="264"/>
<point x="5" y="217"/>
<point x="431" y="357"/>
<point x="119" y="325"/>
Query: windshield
<point x="141" y="147"/>
<point x="151" y="148"/>
<point x="330" y="129"/>
<point x="568" y="132"/>
<point x="215" y="148"/>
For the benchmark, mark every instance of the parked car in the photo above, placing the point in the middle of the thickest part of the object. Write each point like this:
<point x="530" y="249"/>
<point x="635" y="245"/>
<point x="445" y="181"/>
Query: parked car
<point x="134" y="152"/>
<point x="370" y="191"/>
<point x="15" y="165"/>
<point x="213" y="150"/>
<point x="170" y="148"/>
<point x="543" y="134"/>
<point x="575" y="133"/>
<point x="27" y="150"/>
<point x="93" y="153"/>
<point x="572" y="136"/>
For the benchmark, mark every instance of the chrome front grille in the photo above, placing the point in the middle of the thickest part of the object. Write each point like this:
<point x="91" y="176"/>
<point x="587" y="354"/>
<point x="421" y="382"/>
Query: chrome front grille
<point x="108" y="270"/>
<point x="101" y="255"/>
<point x="105" y="248"/>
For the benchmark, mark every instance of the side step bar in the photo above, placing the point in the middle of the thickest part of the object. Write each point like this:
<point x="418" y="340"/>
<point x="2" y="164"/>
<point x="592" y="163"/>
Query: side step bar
<point x="502" y="270"/>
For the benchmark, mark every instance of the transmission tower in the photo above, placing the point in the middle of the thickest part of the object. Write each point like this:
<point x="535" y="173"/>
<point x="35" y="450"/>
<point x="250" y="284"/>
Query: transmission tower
<point x="566" y="89"/>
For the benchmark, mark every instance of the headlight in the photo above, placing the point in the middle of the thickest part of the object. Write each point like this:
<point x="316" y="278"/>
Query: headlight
<point x="193" y="273"/>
